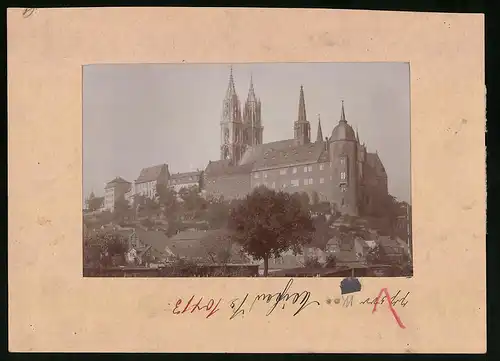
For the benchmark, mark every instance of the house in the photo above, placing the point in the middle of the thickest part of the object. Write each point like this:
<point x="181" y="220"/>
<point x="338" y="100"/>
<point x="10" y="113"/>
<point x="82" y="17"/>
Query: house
<point x="310" y="252"/>
<point x="178" y="181"/>
<point x="212" y="246"/>
<point x="361" y="247"/>
<point x="332" y="245"/>
<point x="348" y="259"/>
<point x="149" y="178"/>
<point x="114" y="191"/>
<point x="393" y="251"/>
<point x="287" y="260"/>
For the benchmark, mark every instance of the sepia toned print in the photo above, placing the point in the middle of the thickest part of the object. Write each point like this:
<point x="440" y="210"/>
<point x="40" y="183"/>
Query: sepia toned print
<point x="183" y="178"/>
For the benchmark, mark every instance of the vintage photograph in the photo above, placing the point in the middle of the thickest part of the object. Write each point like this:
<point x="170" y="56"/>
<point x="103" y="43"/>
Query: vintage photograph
<point x="247" y="170"/>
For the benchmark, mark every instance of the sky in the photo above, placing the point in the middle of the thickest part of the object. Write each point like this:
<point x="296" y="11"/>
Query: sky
<point x="140" y="115"/>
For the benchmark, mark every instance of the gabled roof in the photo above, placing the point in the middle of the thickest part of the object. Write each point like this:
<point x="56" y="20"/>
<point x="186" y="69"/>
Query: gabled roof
<point x="151" y="173"/>
<point x="256" y="152"/>
<point x="291" y="155"/>
<point x="375" y="163"/>
<point x="224" y="167"/>
<point x="156" y="239"/>
<point x="185" y="175"/>
<point x="116" y="181"/>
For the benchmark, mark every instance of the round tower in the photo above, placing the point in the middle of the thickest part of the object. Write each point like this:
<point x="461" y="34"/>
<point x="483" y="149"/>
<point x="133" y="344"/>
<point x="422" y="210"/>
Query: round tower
<point x="344" y="167"/>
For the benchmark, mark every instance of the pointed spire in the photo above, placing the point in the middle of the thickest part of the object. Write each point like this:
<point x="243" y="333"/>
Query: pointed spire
<point x="251" y="91"/>
<point x="319" y="137"/>
<point x="231" y="89"/>
<point x="357" y="134"/>
<point x="302" y="107"/>
<point x="342" y="113"/>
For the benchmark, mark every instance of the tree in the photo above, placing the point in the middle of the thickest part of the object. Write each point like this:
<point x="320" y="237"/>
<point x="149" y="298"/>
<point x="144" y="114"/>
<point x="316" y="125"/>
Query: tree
<point x="167" y="198"/>
<point x="93" y="202"/>
<point x="122" y="209"/>
<point x="315" y="198"/>
<point x="268" y="223"/>
<point x="100" y="248"/>
<point x="331" y="261"/>
<point x="303" y="198"/>
<point x="312" y="262"/>
<point x="376" y="255"/>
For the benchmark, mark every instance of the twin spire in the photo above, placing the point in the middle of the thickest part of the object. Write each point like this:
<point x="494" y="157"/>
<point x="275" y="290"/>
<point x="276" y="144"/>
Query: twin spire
<point x="231" y="88"/>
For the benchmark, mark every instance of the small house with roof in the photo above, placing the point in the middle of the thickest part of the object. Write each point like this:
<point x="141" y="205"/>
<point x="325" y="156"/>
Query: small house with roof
<point x="178" y="181"/>
<point x="149" y="178"/>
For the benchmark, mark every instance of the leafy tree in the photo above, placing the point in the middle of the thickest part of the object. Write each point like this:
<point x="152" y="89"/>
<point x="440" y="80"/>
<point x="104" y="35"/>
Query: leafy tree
<point x="312" y="262"/>
<point x="376" y="255"/>
<point x="167" y="198"/>
<point x="331" y="261"/>
<point x="99" y="248"/>
<point x="315" y="198"/>
<point x="122" y="209"/>
<point x="93" y="202"/>
<point x="268" y="223"/>
<point x="303" y="198"/>
<point x="193" y="202"/>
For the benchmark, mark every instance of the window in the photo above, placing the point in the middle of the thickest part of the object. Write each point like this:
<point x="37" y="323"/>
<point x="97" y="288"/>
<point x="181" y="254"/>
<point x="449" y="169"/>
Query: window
<point x="305" y="169"/>
<point x="342" y="160"/>
<point x="283" y="185"/>
<point x="256" y="176"/>
<point x="265" y="174"/>
<point x="294" y="182"/>
<point x="294" y="170"/>
<point x="310" y="181"/>
<point x="310" y="168"/>
<point x="322" y="180"/>
<point x="306" y="182"/>
<point x="342" y="175"/>
<point x="321" y="167"/>
<point x="283" y="171"/>
<point x="273" y="185"/>
<point x="343" y="188"/>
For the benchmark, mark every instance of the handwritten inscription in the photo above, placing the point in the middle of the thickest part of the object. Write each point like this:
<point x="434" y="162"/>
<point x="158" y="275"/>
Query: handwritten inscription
<point x="208" y="306"/>
<point x="28" y="12"/>
<point x="390" y="303"/>
<point x="278" y="299"/>
<point x="347" y="301"/>
<point x="297" y="301"/>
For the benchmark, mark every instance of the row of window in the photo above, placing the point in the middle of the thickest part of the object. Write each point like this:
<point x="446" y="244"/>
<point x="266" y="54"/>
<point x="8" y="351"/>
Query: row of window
<point x="284" y="171"/>
<point x="296" y="183"/>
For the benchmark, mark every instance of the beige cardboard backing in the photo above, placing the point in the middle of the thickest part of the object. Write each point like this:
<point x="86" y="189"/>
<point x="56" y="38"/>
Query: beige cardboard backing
<point x="52" y="308"/>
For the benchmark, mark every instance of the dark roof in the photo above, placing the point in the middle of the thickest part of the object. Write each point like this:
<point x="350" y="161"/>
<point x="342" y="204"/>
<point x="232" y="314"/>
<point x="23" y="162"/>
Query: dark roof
<point x="346" y="257"/>
<point x="224" y="167"/>
<point x="151" y="173"/>
<point x="374" y="162"/>
<point x="182" y="176"/>
<point x="199" y="245"/>
<point x="114" y="182"/>
<point x="342" y="131"/>
<point x="256" y="152"/>
<point x="290" y="155"/>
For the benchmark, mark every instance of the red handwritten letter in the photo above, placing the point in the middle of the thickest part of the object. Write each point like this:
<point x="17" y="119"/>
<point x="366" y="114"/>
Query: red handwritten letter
<point x="394" y="313"/>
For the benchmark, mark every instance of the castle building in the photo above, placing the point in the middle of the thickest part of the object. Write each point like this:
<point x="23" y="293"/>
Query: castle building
<point x="337" y="169"/>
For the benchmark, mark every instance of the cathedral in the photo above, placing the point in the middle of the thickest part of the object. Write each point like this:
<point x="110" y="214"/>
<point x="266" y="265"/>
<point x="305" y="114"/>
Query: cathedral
<point x="335" y="169"/>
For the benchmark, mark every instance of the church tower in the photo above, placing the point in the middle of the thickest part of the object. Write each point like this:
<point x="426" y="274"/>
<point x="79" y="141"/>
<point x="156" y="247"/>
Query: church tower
<point x="302" y="128"/>
<point x="252" y="121"/>
<point x="231" y="125"/>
